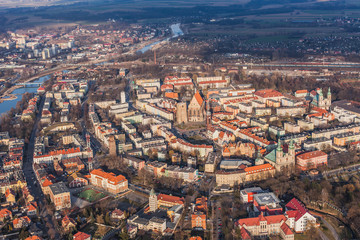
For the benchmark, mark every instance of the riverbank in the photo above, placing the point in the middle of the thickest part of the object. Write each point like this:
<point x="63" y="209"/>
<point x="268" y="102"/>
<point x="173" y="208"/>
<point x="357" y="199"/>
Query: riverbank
<point x="11" y="99"/>
<point x="176" y="32"/>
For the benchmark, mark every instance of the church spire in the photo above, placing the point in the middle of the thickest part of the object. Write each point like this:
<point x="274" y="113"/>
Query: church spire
<point x="279" y="148"/>
<point x="291" y="146"/>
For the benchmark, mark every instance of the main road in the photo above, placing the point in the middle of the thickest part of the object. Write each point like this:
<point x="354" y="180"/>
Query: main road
<point x="29" y="173"/>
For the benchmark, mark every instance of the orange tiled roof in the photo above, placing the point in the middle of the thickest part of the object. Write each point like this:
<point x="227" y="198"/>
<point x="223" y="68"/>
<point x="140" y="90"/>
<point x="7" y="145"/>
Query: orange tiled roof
<point x="171" y="95"/>
<point x="198" y="98"/>
<point x="111" y="177"/>
<point x="268" y="93"/>
<point x="198" y="215"/>
<point x="256" y="221"/>
<point x="259" y="168"/>
<point x="301" y="91"/>
<point x="34" y="237"/>
<point x="168" y="198"/>
<point x="5" y="212"/>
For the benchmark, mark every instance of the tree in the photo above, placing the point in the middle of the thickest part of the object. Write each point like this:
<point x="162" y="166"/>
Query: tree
<point x="123" y="235"/>
<point x="23" y="234"/>
<point x="100" y="219"/>
<point x="107" y="218"/>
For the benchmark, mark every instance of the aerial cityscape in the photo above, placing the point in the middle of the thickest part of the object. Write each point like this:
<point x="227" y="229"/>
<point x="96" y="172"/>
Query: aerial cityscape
<point x="180" y="120"/>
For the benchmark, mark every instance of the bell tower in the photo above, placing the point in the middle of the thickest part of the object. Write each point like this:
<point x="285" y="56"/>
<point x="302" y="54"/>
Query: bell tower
<point x="208" y="114"/>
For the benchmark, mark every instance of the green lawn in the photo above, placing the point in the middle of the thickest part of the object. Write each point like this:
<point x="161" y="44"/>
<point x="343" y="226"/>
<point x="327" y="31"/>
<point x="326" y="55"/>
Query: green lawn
<point x="91" y="195"/>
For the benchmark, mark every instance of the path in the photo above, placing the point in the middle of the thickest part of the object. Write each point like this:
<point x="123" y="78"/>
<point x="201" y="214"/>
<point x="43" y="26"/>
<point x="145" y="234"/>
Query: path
<point x="328" y="225"/>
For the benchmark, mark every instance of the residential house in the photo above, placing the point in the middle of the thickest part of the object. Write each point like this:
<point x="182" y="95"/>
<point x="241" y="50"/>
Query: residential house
<point x="68" y="224"/>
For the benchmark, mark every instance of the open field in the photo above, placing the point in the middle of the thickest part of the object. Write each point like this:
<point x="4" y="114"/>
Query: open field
<point x="91" y="195"/>
<point x="254" y="20"/>
<point x="131" y="10"/>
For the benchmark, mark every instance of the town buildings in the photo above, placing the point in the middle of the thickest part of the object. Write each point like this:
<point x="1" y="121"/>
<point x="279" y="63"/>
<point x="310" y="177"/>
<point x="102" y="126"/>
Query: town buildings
<point x="309" y="160"/>
<point x="60" y="195"/>
<point x="108" y="181"/>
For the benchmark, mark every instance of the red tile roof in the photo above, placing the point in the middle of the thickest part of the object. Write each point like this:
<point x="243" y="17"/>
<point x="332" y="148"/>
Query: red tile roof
<point x="268" y="93"/>
<point x="256" y="221"/>
<point x="81" y="236"/>
<point x="285" y="228"/>
<point x="313" y="154"/>
<point x="302" y="91"/>
<point x="245" y="234"/>
<point x="168" y="198"/>
<point x="294" y="204"/>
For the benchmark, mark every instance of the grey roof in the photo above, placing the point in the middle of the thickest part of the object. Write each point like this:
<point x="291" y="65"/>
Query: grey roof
<point x="233" y="163"/>
<point x="266" y="198"/>
<point x="58" y="188"/>
<point x="141" y="221"/>
<point x="158" y="220"/>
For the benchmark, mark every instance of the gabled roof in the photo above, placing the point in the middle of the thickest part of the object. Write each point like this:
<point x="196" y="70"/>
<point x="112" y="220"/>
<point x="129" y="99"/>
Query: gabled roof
<point x="295" y="205"/>
<point x="268" y="93"/>
<point x="81" y="236"/>
<point x="285" y="228"/>
<point x="256" y="221"/>
<point x="34" y="237"/>
<point x="245" y="235"/>
<point x="111" y="177"/>
<point x="67" y="220"/>
<point x="117" y="212"/>
<point x="5" y="212"/>
<point x="169" y="198"/>
<point x="198" y="98"/>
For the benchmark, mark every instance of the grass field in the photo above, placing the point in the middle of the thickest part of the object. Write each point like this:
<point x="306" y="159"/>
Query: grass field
<point x="91" y="195"/>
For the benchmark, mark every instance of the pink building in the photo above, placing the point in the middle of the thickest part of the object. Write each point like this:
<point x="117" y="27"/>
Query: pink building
<point x="310" y="160"/>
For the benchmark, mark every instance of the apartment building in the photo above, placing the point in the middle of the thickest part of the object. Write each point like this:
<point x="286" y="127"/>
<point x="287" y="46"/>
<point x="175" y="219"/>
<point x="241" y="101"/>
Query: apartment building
<point x="60" y="195"/>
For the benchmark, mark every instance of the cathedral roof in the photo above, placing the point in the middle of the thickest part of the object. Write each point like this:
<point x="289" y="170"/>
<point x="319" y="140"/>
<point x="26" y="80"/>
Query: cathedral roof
<point x="198" y="98"/>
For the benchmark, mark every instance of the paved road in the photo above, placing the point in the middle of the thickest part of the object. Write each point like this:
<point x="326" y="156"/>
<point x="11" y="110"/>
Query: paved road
<point x="331" y="228"/>
<point x="322" y="235"/>
<point x="28" y="170"/>
<point x="328" y="225"/>
<point x="348" y="169"/>
<point x="29" y="173"/>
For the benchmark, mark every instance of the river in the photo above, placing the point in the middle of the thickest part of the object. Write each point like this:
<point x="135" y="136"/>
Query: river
<point x="176" y="32"/>
<point x="7" y="105"/>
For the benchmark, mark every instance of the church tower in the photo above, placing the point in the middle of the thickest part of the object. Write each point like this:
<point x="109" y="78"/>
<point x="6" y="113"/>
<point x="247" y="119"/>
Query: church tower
<point x="153" y="201"/>
<point x="291" y="150"/>
<point x="279" y="152"/>
<point x="259" y="160"/>
<point x="181" y="113"/>
<point x="208" y="114"/>
<point x="321" y="98"/>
